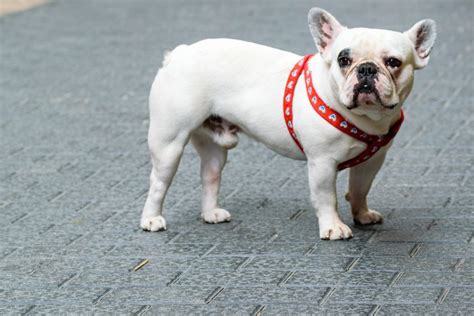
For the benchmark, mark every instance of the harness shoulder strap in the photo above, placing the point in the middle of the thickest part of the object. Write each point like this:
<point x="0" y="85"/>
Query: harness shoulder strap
<point x="374" y="142"/>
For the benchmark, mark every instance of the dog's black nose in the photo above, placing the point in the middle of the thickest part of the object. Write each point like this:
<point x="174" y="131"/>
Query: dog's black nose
<point x="367" y="70"/>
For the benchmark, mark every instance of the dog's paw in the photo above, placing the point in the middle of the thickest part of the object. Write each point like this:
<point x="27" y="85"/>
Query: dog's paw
<point x="153" y="224"/>
<point x="334" y="230"/>
<point x="368" y="218"/>
<point x="217" y="215"/>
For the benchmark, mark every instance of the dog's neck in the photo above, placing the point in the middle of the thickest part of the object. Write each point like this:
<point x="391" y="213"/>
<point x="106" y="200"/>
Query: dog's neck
<point x="320" y="74"/>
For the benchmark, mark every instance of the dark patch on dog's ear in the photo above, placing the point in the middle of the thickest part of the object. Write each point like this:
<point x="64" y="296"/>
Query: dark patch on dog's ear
<point x="423" y="36"/>
<point x="325" y="29"/>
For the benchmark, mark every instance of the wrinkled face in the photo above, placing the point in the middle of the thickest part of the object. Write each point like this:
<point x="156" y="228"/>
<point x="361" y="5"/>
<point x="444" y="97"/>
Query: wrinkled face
<point x="371" y="70"/>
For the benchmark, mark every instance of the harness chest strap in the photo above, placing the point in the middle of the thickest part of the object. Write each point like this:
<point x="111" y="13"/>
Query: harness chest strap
<point x="374" y="142"/>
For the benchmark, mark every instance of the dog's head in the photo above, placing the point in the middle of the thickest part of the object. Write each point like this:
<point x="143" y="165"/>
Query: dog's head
<point x="371" y="70"/>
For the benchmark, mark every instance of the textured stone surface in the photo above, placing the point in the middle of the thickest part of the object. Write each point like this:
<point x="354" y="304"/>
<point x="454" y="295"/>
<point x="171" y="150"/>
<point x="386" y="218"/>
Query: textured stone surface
<point x="74" y="165"/>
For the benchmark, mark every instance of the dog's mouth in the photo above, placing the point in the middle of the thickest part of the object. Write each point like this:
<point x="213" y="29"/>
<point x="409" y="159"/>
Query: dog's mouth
<point x="365" y="94"/>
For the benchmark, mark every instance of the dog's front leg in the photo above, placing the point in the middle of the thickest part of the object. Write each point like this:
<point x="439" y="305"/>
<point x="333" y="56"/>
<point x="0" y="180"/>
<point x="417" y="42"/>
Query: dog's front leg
<point x="360" y="181"/>
<point x="322" y="182"/>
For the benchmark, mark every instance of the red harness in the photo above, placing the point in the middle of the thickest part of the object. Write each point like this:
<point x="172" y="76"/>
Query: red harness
<point x="374" y="142"/>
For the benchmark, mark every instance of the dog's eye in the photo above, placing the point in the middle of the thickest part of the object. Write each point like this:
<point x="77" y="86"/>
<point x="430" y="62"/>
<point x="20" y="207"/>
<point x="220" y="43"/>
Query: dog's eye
<point x="393" y="62"/>
<point x="344" y="61"/>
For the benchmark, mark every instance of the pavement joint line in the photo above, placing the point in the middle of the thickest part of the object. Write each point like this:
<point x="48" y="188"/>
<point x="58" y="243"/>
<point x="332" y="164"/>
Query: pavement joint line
<point x="93" y="149"/>
<point x="10" y="253"/>
<point x="457" y="267"/>
<point x="414" y="251"/>
<point x="244" y="263"/>
<point x="392" y="211"/>
<point x="176" y="279"/>
<point x="84" y="206"/>
<point x="16" y="151"/>
<point x="396" y="278"/>
<point x="117" y="183"/>
<point x="46" y="229"/>
<point x="327" y="295"/>
<point x="285" y="182"/>
<point x="19" y="218"/>
<point x="237" y="225"/>
<point x="99" y="298"/>
<point x="272" y="238"/>
<point x="442" y="296"/>
<point x="374" y="311"/>
<point x="448" y="100"/>
<point x="143" y="310"/>
<point x="7" y="204"/>
<point x="143" y="164"/>
<point x="142" y="194"/>
<point x="372" y="237"/>
<point x="258" y="310"/>
<point x="311" y="250"/>
<point x="110" y="249"/>
<point x="110" y="217"/>
<point x="218" y="290"/>
<point x="297" y="214"/>
<point x="286" y="277"/>
<point x="427" y="170"/>
<point x="89" y="174"/>
<point x="466" y="177"/>
<point x="117" y="157"/>
<point x="289" y="179"/>
<point x="210" y="250"/>
<point x="433" y="222"/>
<point x="70" y="242"/>
<point x="176" y="235"/>
<point x="419" y="133"/>
<point x="456" y="133"/>
<point x="40" y="158"/>
<point x="28" y="310"/>
<point x="263" y="203"/>
<point x="422" y="93"/>
<point x="351" y="264"/>
<point x="56" y="196"/>
<point x="65" y="166"/>
<point x="67" y="280"/>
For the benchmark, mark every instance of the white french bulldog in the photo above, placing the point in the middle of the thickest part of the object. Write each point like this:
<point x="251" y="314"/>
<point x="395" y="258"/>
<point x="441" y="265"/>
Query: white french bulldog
<point x="212" y="90"/>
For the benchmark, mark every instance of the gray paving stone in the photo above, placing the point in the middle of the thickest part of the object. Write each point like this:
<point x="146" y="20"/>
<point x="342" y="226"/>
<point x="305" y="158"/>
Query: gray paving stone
<point x="367" y="263"/>
<point x="270" y="294"/>
<point x="314" y="309"/>
<point x="464" y="279"/>
<point x="74" y="171"/>
<point x="148" y="294"/>
<point x="300" y="263"/>
<point x="459" y="296"/>
<point x="203" y="309"/>
<point x="425" y="309"/>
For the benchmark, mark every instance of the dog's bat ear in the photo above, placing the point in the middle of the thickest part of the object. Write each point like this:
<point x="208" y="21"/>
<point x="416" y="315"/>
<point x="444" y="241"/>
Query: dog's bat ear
<point x="423" y="36"/>
<point x="325" y="29"/>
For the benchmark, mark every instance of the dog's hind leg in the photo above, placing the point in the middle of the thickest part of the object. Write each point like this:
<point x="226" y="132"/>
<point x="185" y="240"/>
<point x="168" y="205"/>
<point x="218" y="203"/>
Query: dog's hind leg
<point x="172" y="119"/>
<point x="165" y="158"/>
<point x="213" y="158"/>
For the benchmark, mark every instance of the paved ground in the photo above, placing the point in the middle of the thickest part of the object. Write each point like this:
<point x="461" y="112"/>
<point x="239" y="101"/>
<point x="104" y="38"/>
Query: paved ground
<point x="74" y="172"/>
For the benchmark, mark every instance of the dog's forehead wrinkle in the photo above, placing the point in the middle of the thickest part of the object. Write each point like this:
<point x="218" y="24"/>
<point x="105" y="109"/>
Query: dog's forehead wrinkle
<point x="371" y="40"/>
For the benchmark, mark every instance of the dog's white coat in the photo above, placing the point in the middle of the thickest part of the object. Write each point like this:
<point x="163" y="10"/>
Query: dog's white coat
<point x="243" y="83"/>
